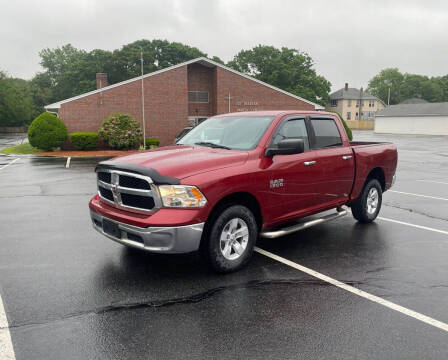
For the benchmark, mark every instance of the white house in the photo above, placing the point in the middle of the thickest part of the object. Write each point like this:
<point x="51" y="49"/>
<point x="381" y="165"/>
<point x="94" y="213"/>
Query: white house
<point x="413" y="119"/>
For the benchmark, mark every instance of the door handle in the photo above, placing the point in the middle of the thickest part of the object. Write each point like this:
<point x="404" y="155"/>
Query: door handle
<point x="309" y="163"/>
<point x="346" y="157"/>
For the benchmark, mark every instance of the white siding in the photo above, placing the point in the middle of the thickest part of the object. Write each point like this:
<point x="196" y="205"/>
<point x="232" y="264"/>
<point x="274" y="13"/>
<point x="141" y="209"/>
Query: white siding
<point x="412" y="125"/>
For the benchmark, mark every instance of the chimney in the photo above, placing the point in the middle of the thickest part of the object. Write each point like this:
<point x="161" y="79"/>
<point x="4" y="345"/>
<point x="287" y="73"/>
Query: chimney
<point x="101" y="80"/>
<point x="346" y="87"/>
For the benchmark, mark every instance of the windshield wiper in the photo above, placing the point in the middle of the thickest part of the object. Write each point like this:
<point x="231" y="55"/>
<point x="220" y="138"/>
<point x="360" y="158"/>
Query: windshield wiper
<point x="212" y="145"/>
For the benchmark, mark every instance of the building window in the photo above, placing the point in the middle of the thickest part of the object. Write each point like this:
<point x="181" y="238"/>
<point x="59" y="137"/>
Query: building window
<point x="357" y="116"/>
<point x="349" y="102"/>
<point x="371" y="103"/>
<point x="198" y="96"/>
<point x="357" y="103"/>
<point x="334" y="103"/>
<point x="196" y="120"/>
<point x="349" y="115"/>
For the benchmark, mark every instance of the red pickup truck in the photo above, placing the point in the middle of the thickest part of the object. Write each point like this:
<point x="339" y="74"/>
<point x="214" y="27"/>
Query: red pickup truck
<point x="236" y="177"/>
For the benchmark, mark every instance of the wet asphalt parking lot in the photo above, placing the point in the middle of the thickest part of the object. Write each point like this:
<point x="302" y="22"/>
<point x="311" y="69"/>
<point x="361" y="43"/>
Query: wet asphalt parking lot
<point x="70" y="293"/>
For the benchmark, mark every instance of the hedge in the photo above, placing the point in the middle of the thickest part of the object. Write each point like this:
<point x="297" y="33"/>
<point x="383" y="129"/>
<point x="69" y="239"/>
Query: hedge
<point x="47" y="132"/>
<point x="84" y="140"/>
<point x="152" y="142"/>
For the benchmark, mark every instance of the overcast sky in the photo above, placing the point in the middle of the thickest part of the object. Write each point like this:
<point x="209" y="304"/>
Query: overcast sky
<point x="350" y="41"/>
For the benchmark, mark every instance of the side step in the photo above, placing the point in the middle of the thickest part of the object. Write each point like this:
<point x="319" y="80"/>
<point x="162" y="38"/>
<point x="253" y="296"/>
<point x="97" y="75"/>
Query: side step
<point x="293" y="228"/>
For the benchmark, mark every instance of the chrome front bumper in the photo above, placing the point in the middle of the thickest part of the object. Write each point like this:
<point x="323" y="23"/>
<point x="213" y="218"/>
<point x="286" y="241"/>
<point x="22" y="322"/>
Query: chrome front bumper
<point x="169" y="240"/>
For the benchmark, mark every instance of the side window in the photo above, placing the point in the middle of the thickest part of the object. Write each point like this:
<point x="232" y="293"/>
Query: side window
<point x="326" y="133"/>
<point x="296" y="129"/>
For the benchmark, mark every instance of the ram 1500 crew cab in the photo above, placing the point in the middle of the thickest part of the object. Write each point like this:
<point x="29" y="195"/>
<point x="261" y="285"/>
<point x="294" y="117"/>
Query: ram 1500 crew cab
<point x="236" y="177"/>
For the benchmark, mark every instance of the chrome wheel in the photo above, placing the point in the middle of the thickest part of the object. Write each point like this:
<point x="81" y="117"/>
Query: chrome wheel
<point x="234" y="239"/>
<point x="372" y="200"/>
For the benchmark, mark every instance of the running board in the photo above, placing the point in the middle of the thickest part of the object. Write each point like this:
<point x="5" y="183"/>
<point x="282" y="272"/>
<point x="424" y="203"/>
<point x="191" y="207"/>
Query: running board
<point x="293" y="228"/>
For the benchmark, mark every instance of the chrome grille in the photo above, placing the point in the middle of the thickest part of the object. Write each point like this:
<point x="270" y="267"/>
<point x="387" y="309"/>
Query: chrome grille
<point x="128" y="191"/>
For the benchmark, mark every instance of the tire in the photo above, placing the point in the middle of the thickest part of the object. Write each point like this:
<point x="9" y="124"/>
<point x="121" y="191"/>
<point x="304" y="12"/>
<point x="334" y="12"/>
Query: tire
<point x="366" y="207"/>
<point x="224" y="251"/>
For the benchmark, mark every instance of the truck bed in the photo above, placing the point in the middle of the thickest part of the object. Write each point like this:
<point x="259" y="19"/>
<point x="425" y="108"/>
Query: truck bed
<point x="370" y="155"/>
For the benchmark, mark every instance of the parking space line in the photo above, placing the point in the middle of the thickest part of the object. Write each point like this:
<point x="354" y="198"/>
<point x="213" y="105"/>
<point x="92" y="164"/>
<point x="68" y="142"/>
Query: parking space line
<point x="435" y="182"/>
<point x="6" y="348"/>
<point x="418" y="316"/>
<point x="425" y="196"/>
<point x="10" y="163"/>
<point x="414" y="225"/>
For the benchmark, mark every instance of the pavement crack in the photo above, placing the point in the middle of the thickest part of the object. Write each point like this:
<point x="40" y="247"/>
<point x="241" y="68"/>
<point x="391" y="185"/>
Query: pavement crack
<point x="209" y="293"/>
<point x="192" y="299"/>
<point x="379" y="269"/>
<point x="413" y="211"/>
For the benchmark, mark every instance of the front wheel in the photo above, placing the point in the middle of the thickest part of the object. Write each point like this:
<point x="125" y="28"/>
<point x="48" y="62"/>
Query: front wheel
<point x="366" y="207"/>
<point x="231" y="239"/>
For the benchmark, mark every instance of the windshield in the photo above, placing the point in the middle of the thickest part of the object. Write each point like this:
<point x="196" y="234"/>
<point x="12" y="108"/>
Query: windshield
<point x="229" y="132"/>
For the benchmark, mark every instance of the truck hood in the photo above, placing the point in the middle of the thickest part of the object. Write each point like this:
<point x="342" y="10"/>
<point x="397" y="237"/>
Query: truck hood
<point x="182" y="161"/>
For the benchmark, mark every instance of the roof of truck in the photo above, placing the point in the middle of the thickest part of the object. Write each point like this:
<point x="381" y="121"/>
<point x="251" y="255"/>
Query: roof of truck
<point x="279" y="113"/>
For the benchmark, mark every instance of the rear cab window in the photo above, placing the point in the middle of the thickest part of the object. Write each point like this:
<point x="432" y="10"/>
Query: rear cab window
<point x="326" y="133"/>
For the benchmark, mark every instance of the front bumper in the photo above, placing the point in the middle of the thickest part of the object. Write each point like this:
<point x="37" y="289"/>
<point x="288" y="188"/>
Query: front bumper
<point x="168" y="240"/>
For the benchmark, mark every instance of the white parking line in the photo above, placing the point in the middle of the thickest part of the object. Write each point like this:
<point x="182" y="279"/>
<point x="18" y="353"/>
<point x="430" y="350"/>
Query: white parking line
<point x="413" y="225"/>
<point x="10" y="163"/>
<point x="425" y="196"/>
<point x="67" y="164"/>
<point x="426" y="319"/>
<point x="6" y="349"/>
<point x="435" y="182"/>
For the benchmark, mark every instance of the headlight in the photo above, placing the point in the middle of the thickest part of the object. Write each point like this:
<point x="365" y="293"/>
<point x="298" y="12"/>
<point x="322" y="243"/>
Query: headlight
<point x="181" y="196"/>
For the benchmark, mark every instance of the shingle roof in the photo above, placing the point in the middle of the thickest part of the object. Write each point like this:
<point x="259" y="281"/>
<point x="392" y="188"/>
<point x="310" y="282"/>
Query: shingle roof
<point x="414" y="101"/>
<point x="351" y="93"/>
<point x="425" y="109"/>
<point x="201" y="60"/>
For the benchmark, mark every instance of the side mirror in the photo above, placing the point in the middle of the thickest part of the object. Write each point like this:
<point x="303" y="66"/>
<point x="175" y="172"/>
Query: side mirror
<point x="287" y="147"/>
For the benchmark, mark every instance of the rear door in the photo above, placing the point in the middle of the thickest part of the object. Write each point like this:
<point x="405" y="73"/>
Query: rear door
<point x="333" y="158"/>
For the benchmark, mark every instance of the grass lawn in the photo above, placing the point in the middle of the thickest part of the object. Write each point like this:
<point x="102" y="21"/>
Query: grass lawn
<point x="24" y="148"/>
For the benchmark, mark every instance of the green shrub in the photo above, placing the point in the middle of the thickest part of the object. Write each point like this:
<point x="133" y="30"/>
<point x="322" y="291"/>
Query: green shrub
<point x="152" y="143"/>
<point x="347" y="129"/>
<point x="84" y="140"/>
<point x="47" y="132"/>
<point x="121" y="131"/>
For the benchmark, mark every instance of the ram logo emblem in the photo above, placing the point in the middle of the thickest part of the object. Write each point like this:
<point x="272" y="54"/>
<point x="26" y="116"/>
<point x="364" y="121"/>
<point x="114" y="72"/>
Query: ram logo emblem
<point x="277" y="183"/>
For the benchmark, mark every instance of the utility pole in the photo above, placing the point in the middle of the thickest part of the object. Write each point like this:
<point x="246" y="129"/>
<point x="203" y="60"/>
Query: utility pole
<point x="388" y="97"/>
<point x="143" y="100"/>
<point x="360" y="103"/>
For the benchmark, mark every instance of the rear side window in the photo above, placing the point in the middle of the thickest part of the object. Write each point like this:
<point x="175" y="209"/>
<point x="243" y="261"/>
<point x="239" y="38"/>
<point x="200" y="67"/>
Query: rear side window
<point x="326" y="133"/>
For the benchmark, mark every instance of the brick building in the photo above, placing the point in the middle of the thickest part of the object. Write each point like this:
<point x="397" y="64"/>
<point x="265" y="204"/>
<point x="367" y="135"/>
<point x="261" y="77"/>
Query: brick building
<point x="175" y="97"/>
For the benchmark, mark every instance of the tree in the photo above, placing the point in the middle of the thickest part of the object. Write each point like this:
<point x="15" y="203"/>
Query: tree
<point x="287" y="69"/>
<point x="72" y="72"/>
<point x="16" y="105"/>
<point x="406" y="86"/>
<point x="387" y="79"/>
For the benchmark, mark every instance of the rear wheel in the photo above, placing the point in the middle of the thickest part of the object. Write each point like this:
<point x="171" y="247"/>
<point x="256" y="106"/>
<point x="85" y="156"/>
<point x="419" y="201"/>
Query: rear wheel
<point x="368" y="204"/>
<point x="230" y="241"/>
